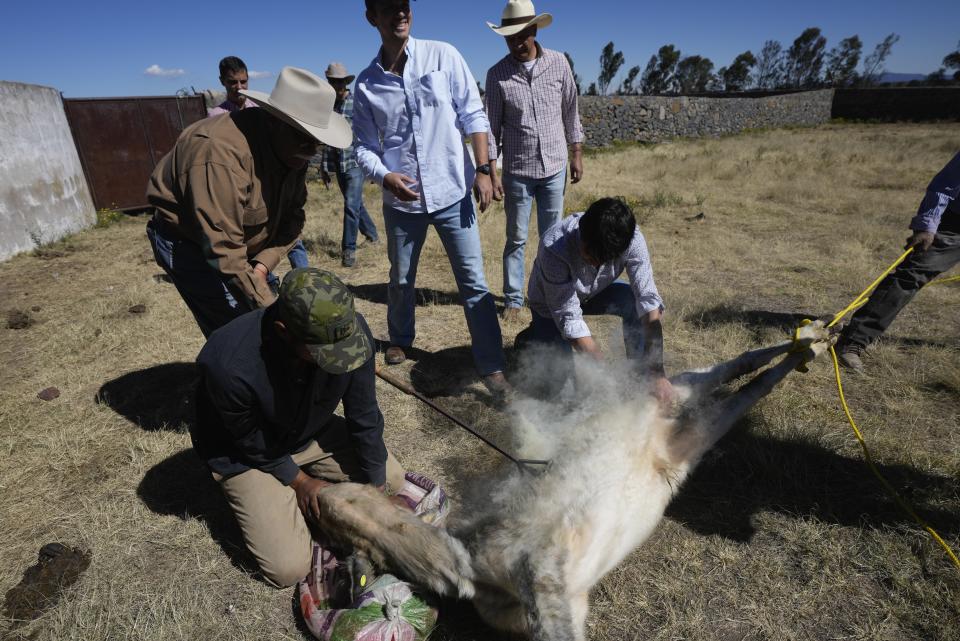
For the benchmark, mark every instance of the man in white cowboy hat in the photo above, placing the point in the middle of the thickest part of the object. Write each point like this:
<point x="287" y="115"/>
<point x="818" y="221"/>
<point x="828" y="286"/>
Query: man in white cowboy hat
<point x="531" y="101"/>
<point x="229" y="196"/>
<point x="234" y="78"/>
<point x="412" y="106"/>
<point x="343" y="164"/>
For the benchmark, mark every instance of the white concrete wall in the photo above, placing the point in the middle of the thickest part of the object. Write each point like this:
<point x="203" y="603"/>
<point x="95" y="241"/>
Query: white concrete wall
<point x="43" y="192"/>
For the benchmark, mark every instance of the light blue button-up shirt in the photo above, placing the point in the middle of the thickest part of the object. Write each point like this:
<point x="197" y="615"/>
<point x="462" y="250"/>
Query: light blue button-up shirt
<point x="941" y="196"/>
<point x="414" y="124"/>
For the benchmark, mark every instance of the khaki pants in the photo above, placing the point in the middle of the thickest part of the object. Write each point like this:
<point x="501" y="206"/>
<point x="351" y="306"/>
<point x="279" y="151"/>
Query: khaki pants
<point x="273" y="526"/>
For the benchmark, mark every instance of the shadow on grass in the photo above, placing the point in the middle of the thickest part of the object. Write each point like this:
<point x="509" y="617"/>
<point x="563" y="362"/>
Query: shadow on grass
<point x="459" y="621"/>
<point x="182" y="486"/>
<point x="157" y="398"/>
<point x="752" y="318"/>
<point x="451" y="372"/>
<point x="446" y="372"/>
<point x="377" y="293"/>
<point x="322" y="244"/>
<point x="787" y="322"/>
<point x="746" y="474"/>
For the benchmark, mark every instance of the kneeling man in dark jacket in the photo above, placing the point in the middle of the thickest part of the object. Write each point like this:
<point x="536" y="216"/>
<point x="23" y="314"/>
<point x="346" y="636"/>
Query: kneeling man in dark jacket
<point x="270" y="383"/>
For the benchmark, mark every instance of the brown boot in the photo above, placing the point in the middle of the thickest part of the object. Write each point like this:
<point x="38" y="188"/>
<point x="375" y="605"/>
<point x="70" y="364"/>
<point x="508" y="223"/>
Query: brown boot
<point x="849" y="356"/>
<point x="394" y="355"/>
<point x="497" y="384"/>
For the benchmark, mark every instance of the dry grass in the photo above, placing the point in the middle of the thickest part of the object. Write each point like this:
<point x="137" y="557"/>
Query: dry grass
<point x="781" y="534"/>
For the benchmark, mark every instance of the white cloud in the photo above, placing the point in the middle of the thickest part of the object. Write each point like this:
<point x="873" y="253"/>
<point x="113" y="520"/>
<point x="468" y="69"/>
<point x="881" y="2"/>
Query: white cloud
<point x="255" y="75"/>
<point x="160" y="72"/>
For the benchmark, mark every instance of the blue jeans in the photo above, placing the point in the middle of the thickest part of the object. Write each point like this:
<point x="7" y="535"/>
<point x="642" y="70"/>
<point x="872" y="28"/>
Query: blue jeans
<point x="355" y="216"/>
<point x="457" y="227"/>
<point x="202" y="287"/>
<point x="518" y="195"/>
<point x="617" y="300"/>
<point x="298" y="256"/>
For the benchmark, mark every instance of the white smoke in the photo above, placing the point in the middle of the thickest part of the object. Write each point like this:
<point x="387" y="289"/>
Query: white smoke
<point x="562" y="393"/>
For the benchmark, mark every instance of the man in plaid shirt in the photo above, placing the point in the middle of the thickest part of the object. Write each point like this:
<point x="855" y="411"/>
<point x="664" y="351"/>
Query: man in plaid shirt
<point x="531" y="102"/>
<point x="343" y="163"/>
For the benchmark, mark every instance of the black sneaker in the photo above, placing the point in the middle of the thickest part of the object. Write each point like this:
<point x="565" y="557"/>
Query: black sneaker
<point x="349" y="258"/>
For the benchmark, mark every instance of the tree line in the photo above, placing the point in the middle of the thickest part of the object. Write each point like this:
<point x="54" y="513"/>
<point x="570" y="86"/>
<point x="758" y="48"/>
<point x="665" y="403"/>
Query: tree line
<point x="806" y="64"/>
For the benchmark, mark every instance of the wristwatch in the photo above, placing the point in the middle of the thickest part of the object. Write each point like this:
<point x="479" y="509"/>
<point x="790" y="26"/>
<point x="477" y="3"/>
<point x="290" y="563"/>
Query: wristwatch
<point x="484" y="168"/>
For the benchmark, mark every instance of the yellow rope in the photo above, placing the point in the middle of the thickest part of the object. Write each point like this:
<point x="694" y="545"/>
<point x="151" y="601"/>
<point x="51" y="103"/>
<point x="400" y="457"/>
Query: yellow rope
<point x="857" y="302"/>
<point x="873" y="468"/>
<point x="941" y="281"/>
<point x="862" y="298"/>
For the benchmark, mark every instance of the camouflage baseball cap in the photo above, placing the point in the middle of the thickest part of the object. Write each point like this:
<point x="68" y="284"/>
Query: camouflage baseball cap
<point x="317" y="309"/>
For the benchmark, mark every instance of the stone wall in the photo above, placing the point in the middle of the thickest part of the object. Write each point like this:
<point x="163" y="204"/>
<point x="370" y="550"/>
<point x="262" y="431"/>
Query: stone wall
<point x="656" y="118"/>
<point x="898" y="103"/>
<point x="43" y="191"/>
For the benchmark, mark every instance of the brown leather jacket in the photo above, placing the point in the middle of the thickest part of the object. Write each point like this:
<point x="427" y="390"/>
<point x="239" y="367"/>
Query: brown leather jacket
<point x="222" y="187"/>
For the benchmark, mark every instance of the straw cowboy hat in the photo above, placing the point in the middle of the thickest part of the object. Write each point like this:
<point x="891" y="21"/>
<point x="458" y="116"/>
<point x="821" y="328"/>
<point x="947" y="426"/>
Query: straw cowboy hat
<point x="305" y="101"/>
<point x="337" y="71"/>
<point x="517" y="16"/>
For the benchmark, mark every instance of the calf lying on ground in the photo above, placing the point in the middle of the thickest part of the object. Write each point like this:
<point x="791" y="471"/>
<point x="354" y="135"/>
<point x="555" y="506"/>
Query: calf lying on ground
<point x="530" y="556"/>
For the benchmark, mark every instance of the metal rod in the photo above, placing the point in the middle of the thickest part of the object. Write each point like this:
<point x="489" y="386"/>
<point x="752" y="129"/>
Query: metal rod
<point x="406" y="388"/>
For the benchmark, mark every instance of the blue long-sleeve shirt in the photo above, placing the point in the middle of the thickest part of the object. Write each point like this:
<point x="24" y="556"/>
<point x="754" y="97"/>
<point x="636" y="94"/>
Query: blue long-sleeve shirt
<point x="414" y="124"/>
<point x="939" y="207"/>
<point x="257" y="404"/>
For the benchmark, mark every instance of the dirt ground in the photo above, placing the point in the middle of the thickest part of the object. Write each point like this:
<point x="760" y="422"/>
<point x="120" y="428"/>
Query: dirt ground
<point x="782" y="533"/>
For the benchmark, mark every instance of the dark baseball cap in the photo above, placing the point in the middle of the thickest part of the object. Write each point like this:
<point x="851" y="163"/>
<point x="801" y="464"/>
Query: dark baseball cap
<point x="317" y="310"/>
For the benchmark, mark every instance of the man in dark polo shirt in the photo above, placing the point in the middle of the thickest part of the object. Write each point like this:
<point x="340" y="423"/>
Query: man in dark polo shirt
<point x="270" y="383"/>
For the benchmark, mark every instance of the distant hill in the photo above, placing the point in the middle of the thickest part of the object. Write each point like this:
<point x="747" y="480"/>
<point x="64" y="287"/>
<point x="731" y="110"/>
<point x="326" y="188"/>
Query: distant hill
<point x="902" y="77"/>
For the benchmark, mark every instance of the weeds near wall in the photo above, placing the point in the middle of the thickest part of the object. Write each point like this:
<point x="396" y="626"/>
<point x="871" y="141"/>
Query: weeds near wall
<point x="107" y="216"/>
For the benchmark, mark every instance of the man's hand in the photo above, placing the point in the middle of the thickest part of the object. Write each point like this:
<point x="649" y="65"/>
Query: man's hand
<point x="495" y="179"/>
<point x="663" y="391"/>
<point x="576" y="165"/>
<point x="396" y="184"/>
<point x="483" y="190"/>
<point x="586" y="345"/>
<point x="261" y="271"/>
<point x="308" y="493"/>
<point x="921" y="240"/>
<point x="325" y="178"/>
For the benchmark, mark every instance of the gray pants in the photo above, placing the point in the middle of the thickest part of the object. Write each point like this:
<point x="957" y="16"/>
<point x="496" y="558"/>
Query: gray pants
<point x="896" y="290"/>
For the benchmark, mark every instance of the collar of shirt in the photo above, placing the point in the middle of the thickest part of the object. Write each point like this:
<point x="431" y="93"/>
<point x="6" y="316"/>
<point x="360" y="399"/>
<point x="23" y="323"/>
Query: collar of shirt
<point x="230" y="106"/>
<point x="537" y="69"/>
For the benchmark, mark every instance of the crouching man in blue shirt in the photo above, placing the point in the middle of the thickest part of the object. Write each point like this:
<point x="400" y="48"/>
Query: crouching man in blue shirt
<point x="270" y="383"/>
<point x="576" y="274"/>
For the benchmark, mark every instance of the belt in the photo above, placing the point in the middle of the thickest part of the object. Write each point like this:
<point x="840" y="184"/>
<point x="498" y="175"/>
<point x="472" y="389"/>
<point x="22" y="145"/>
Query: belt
<point x="165" y="228"/>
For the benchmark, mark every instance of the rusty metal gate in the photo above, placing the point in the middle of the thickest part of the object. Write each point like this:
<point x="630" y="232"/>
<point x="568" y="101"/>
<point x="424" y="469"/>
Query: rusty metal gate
<point x="120" y="141"/>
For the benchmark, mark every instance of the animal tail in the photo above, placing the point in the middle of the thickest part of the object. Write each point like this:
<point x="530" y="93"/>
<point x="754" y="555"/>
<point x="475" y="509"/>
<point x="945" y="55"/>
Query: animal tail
<point x="360" y="517"/>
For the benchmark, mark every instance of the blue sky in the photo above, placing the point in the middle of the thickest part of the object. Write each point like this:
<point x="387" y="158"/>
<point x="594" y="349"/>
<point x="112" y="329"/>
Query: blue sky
<point x="106" y="48"/>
